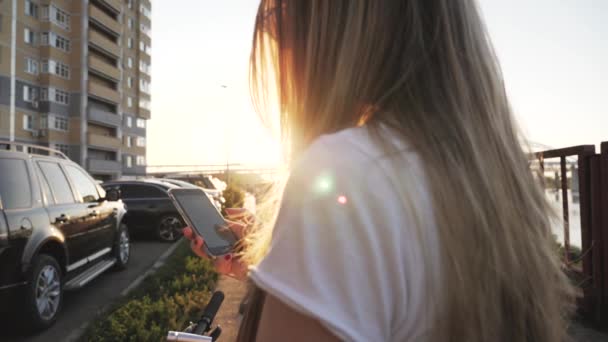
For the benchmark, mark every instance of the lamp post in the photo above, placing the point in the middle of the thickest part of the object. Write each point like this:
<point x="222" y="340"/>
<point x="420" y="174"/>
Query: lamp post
<point x="226" y="138"/>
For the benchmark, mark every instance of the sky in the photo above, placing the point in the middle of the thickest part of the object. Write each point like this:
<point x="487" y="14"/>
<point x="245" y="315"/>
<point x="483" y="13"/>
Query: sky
<point x="553" y="53"/>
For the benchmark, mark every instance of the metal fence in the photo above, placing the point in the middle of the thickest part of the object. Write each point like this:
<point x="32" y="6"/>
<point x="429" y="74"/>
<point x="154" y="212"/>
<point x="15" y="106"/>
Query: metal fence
<point x="592" y="275"/>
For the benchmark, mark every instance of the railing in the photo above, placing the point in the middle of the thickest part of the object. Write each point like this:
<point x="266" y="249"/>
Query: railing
<point x="593" y="193"/>
<point x="113" y="5"/>
<point x="106" y="69"/>
<point x="99" y="165"/>
<point x="104" y="117"/>
<point x="103" y="92"/>
<point x="104" y="20"/>
<point x="104" y="43"/>
<point x="103" y="141"/>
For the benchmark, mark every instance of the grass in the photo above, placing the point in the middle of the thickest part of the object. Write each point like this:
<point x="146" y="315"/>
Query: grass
<point x="166" y="300"/>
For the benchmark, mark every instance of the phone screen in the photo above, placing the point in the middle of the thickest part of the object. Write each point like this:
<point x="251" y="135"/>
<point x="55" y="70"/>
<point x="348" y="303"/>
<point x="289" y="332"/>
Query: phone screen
<point x="204" y="218"/>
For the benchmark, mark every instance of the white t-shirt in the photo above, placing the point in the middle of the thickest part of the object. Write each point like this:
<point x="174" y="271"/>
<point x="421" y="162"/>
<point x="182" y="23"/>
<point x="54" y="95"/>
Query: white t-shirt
<point x="345" y="250"/>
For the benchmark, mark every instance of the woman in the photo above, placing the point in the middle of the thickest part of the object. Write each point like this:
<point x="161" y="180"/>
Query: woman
<point x="410" y="213"/>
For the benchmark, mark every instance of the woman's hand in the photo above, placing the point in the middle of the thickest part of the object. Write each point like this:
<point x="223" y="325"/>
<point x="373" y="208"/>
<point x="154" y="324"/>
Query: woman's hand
<point x="228" y="264"/>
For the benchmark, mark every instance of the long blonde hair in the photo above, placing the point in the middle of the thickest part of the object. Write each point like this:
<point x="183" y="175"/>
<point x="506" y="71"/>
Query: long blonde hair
<point x="426" y="69"/>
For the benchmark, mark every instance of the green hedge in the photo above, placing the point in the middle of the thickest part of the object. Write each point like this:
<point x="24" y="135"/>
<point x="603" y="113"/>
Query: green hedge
<point x="165" y="301"/>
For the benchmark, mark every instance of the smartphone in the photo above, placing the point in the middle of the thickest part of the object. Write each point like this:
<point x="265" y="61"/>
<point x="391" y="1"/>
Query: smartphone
<point x="204" y="218"/>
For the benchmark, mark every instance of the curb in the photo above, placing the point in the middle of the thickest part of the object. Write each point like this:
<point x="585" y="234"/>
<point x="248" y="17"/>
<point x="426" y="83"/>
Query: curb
<point x="77" y="333"/>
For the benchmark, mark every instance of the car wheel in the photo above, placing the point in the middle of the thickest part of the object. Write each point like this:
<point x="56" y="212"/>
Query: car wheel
<point x="44" y="292"/>
<point x="170" y="228"/>
<point x="122" y="248"/>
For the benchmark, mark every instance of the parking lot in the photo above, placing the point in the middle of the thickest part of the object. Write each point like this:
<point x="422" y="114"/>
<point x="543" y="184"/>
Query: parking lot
<point x="82" y="306"/>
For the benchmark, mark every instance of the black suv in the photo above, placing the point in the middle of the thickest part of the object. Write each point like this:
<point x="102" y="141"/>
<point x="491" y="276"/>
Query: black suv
<point x="58" y="230"/>
<point x="150" y="210"/>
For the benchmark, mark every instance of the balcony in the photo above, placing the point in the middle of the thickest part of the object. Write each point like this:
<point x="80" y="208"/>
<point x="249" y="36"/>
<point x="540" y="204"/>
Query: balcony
<point x="104" y="20"/>
<point x="103" y="93"/>
<point x="104" y="142"/>
<point x="112" y="5"/>
<point x="144" y="113"/>
<point x="109" y="166"/>
<point x="104" y="118"/>
<point x="98" y="66"/>
<point x="137" y="170"/>
<point x="99" y="41"/>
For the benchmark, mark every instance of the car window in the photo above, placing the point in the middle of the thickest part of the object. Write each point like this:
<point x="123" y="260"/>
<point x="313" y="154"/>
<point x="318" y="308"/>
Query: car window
<point x="15" y="189"/>
<point x="84" y="185"/>
<point x="58" y="182"/>
<point x="141" y="191"/>
<point x="44" y="184"/>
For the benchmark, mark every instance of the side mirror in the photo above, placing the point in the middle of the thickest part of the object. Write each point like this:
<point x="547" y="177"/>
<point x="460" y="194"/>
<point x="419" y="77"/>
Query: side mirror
<point x="112" y="195"/>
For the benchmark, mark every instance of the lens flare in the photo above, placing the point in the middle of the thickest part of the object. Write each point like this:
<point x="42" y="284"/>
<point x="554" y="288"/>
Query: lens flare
<point x="324" y="184"/>
<point x="342" y="199"/>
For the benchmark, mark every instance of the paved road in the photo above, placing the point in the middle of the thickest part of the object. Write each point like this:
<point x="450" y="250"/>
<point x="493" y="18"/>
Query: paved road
<point x="81" y="306"/>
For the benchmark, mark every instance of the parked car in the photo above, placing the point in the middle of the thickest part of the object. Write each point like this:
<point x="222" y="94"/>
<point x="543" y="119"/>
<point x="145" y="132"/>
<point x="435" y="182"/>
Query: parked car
<point x="214" y="195"/>
<point x="149" y="208"/>
<point x="58" y="231"/>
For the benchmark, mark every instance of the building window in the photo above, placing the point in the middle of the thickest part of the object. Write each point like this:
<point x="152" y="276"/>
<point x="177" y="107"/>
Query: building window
<point x="28" y="122"/>
<point x="140" y="161"/>
<point x="130" y="43"/>
<point x="140" y="142"/>
<point x="62" y="70"/>
<point x="62" y="97"/>
<point x="63" y="148"/>
<point x="130" y="62"/>
<point x="128" y="161"/>
<point x="44" y="38"/>
<point x="144" y="47"/>
<point x="130" y="4"/>
<point x="55" y="40"/>
<point x="129" y="141"/>
<point x="59" y="123"/>
<point x="55" y="15"/>
<point x="145" y="29"/>
<point x="44" y="122"/>
<point x="31" y="9"/>
<point x="130" y="22"/>
<point x="55" y="95"/>
<point x="129" y="121"/>
<point x="31" y="66"/>
<point x="56" y="68"/>
<point x="144" y="67"/>
<point x="145" y="11"/>
<point x="144" y="86"/>
<point x="130" y="82"/>
<point x="60" y="18"/>
<point x="129" y="102"/>
<point x="29" y="36"/>
<point x="30" y="93"/>
<point x="145" y="104"/>
<point x="141" y="123"/>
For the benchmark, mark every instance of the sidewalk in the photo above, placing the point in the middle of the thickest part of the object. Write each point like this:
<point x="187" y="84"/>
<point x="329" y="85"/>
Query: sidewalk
<point x="228" y="317"/>
<point x="581" y="333"/>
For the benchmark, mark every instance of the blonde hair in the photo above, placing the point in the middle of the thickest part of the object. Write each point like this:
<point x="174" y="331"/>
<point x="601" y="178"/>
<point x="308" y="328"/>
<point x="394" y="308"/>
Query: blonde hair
<point x="426" y="69"/>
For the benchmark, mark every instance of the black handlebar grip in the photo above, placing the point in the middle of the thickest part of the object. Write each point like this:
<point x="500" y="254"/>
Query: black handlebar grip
<point x="209" y="313"/>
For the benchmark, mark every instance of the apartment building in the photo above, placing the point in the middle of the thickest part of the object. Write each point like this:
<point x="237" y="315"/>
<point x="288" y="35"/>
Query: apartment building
<point x="75" y="76"/>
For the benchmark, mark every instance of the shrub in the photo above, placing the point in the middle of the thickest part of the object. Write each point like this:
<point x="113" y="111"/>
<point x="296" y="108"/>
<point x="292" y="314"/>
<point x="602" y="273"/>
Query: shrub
<point x="235" y="196"/>
<point x="168" y="300"/>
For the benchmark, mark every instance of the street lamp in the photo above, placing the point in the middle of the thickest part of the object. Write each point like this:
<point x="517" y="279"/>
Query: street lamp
<point x="226" y="138"/>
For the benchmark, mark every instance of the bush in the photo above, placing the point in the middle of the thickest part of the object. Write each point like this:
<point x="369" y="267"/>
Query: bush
<point x="234" y="195"/>
<point x="167" y="300"/>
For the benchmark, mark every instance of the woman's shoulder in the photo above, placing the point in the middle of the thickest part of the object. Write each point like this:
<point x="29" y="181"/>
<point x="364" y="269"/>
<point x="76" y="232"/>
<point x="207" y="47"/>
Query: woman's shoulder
<point x="352" y="161"/>
<point x="350" y="148"/>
